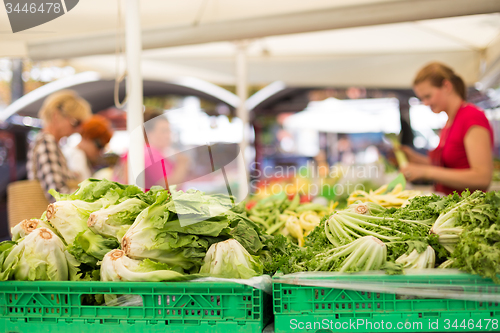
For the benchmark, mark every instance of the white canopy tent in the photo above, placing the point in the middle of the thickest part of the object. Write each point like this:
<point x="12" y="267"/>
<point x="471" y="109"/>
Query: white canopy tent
<point x="384" y="56"/>
<point x="373" y="43"/>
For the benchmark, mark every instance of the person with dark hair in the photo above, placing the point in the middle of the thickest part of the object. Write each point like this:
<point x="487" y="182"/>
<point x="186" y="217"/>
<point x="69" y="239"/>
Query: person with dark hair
<point x="96" y="133"/>
<point x="463" y="158"/>
<point x="160" y="169"/>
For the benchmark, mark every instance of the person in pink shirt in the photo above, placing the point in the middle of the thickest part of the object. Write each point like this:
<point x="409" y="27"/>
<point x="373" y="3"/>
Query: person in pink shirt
<point x="463" y="158"/>
<point x="159" y="170"/>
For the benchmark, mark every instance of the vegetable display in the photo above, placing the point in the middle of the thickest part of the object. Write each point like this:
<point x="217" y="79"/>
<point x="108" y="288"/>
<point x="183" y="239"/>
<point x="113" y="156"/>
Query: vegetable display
<point x="112" y="232"/>
<point x="449" y="232"/>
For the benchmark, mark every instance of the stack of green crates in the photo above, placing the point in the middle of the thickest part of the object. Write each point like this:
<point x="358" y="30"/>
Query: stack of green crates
<point x="205" y="307"/>
<point x="302" y="308"/>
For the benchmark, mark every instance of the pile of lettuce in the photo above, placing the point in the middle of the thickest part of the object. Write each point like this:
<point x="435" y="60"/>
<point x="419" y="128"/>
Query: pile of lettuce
<point x="114" y="232"/>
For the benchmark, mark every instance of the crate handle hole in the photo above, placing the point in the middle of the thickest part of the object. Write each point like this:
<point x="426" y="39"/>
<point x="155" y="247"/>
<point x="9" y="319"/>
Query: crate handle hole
<point x="218" y="312"/>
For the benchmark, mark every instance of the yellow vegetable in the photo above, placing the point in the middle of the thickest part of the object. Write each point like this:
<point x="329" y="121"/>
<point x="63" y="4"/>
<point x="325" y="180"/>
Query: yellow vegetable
<point x="309" y="220"/>
<point x="295" y="230"/>
<point x="396" y="198"/>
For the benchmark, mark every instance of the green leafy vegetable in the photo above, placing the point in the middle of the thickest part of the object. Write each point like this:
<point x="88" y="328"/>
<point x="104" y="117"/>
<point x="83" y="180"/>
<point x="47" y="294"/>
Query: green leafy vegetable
<point x="41" y="255"/>
<point x="115" y="220"/>
<point x="116" y="266"/>
<point x="228" y="259"/>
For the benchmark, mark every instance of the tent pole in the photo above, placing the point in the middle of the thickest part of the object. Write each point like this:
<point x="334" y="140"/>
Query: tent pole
<point x="134" y="92"/>
<point x="242" y="113"/>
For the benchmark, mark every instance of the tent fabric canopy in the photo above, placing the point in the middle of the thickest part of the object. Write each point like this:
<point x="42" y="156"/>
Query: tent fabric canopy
<point x="372" y="43"/>
<point x="384" y="56"/>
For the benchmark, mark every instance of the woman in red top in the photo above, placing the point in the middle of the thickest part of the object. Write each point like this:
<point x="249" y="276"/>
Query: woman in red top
<point x="463" y="158"/>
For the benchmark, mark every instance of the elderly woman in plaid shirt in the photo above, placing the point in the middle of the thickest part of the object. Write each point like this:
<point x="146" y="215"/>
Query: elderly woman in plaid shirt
<point x="62" y="114"/>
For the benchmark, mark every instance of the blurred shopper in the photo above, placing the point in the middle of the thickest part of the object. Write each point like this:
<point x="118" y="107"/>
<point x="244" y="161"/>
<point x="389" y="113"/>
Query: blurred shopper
<point x="62" y="114"/>
<point x="162" y="166"/>
<point x="83" y="159"/>
<point x="463" y="158"/>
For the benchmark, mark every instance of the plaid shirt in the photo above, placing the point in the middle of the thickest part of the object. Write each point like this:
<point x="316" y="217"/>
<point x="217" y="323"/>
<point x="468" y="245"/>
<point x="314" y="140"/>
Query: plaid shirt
<point x="50" y="165"/>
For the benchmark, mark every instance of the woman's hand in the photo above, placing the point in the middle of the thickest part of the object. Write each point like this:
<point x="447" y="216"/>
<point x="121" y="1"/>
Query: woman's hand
<point x="415" y="157"/>
<point x="414" y="172"/>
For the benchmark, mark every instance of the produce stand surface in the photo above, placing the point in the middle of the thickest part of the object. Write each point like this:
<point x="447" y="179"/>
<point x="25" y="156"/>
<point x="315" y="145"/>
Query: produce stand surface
<point x="434" y="302"/>
<point x="59" y="307"/>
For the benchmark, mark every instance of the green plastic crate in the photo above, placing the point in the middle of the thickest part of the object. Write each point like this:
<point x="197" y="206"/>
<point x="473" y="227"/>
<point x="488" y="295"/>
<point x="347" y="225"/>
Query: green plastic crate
<point x="56" y="307"/>
<point x="300" y="308"/>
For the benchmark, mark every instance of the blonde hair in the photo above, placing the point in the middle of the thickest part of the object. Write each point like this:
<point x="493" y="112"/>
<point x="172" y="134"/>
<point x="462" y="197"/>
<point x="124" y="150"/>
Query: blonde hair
<point x="68" y="103"/>
<point x="436" y="73"/>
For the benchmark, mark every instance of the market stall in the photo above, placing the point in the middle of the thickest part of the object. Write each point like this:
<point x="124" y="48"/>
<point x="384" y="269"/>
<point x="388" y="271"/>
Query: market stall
<point x="112" y="256"/>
